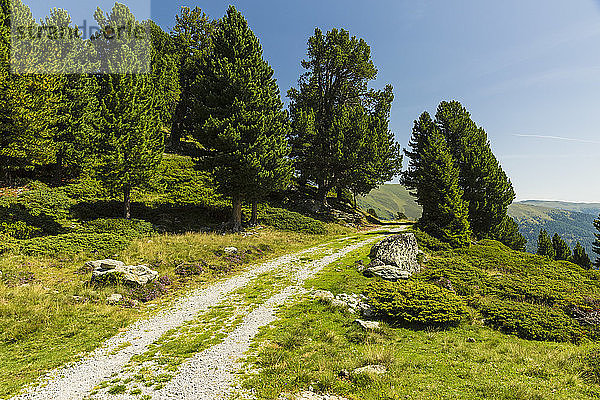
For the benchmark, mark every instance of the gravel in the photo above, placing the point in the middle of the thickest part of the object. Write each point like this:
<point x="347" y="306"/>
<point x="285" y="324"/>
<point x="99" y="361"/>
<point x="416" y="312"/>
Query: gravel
<point x="209" y="374"/>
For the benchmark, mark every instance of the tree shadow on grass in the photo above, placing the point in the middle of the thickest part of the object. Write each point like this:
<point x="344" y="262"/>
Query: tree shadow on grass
<point x="167" y="218"/>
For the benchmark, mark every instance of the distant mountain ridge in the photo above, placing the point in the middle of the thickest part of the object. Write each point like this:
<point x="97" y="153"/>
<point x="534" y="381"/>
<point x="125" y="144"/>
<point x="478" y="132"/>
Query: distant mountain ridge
<point x="573" y="221"/>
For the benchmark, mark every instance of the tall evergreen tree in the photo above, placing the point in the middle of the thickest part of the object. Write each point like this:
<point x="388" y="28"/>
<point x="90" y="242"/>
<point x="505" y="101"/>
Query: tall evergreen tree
<point x="191" y="41"/>
<point x="434" y="178"/>
<point x="244" y="126"/>
<point x="330" y="147"/>
<point x="487" y="189"/>
<point x="508" y="233"/>
<point x="580" y="257"/>
<point x="129" y="139"/>
<point x="29" y="102"/>
<point x="562" y="251"/>
<point x="596" y="244"/>
<point x="545" y="247"/>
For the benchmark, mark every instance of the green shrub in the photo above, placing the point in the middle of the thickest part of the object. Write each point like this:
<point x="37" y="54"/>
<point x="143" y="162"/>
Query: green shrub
<point x="591" y="367"/>
<point x="19" y="230"/>
<point x="416" y="302"/>
<point x="530" y="321"/>
<point x="131" y="228"/>
<point x="285" y="220"/>
<point x="99" y="244"/>
<point x="428" y="242"/>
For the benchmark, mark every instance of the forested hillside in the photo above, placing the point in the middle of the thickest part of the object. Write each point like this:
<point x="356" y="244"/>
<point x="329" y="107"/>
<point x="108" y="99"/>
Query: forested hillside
<point x="572" y="226"/>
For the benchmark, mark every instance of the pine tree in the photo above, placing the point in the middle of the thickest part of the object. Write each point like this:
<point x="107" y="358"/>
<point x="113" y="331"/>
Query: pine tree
<point x="340" y="135"/>
<point x="434" y="178"/>
<point x="580" y="257"/>
<point x="129" y="139"/>
<point x="244" y="126"/>
<point x="545" y="247"/>
<point x="562" y="251"/>
<point x="596" y="244"/>
<point x="508" y="233"/>
<point x="486" y="187"/>
<point x="29" y="103"/>
<point x="191" y="41"/>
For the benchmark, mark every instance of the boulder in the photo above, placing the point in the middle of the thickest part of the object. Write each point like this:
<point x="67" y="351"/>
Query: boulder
<point x="323" y="295"/>
<point x="394" y="258"/>
<point x="112" y="271"/>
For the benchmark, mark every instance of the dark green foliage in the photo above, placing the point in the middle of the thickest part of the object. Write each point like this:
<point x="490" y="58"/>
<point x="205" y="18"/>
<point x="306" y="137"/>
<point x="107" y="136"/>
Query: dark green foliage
<point x="416" y="302"/>
<point x="487" y="189"/>
<point x="434" y="178"/>
<point x="291" y="221"/>
<point x="508" y="233"/>
<point x="545" y="247"/>
<point x="591" y="371"/>
<point x="129" y="228"/>
<point x="580" y="257"/>
<point x="244" y="127"/>
<point x="340" y="134"/>
<point x="531" y="321"/>
<point x="428" y="242"/>
<point x="532" y="296"/>
<point x="180" y="182"/>
<point x="596" y="245"/>
<point x="98" y="244"/>
<point x="562" y="251"/>
<point x="372" y="212"/>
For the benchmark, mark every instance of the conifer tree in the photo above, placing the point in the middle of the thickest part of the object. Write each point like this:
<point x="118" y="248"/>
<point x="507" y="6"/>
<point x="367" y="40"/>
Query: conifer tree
<point x="545" y="247"/>
<point x="129" y="139"/>
<point x="562" y="251"/>
<point x="580" y="257"/>
<point x="244" y="126"/>
<point x="486" y="187"/>
<point x="434" y="178"/>
<point x="340" y="135"/>
<point x="29" y="102"/>
<point x="596" y="244"/>
<point x="508" y="233"/>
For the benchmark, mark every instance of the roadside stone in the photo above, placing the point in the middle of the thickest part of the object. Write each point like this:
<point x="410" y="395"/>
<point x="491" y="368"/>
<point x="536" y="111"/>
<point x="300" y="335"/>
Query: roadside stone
<point x="114" y="299"/>
<point x="371" y="370"/>
<point x="309" y="395"/>
<point x="112" y="271"/>
<point x="368" y="325"/>
<point x="394" y="258"/>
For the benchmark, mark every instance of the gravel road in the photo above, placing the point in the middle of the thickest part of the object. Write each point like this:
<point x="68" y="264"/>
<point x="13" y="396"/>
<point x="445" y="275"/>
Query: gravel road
<point x="210" y="373"/>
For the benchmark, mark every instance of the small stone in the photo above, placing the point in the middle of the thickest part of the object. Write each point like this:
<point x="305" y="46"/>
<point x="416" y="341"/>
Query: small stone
<point x="323" y="295"/>
<point x="230" y="250"/>
<point x="471" y="340"/>
<point x="114" y="298"/>
<point x="368" y="325"/>
<point x="371" y="370"/>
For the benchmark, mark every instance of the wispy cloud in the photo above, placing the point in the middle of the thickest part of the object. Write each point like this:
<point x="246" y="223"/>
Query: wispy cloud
<point x="567" y="139"/>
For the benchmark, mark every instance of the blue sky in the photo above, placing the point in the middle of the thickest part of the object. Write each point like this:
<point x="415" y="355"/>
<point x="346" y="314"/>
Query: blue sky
<point x="529" y="71"/>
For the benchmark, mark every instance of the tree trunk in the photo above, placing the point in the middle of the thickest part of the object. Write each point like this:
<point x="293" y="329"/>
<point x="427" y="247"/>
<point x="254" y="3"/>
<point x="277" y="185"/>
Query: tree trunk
<point x="323" y="195"/>
<point x="236" y="217"/>
<point x="127" y="202"/>
<point x="254" y="218"/>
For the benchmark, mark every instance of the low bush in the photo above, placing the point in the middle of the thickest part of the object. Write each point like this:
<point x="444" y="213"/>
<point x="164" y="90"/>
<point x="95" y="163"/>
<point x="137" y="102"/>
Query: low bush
<point x="285" y="220"/>
<point x="151" y="290"/>
<point x="98" y="244"/>
<point x="531" y="321"/>
<point x="591" y="367"/>
<point x="428" y="242"/>
<point x="131" y="228"/>
<point x="416" y="302"/>
<point x="19" y="230"/>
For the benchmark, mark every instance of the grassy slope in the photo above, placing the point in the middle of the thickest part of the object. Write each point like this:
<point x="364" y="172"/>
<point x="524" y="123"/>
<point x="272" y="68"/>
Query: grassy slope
<point x="572" y="221"/>
<point x="313" y="342"/>
<point x="586" y="208"/>
<point x="388" y="200"/>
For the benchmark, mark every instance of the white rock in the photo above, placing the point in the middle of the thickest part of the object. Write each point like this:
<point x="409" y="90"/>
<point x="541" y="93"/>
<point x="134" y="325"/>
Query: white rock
<point x="230" y="250"/>
<point x="368" y="325"/>
<point x="371" y="370"/>
<point x="114" y="298"/>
